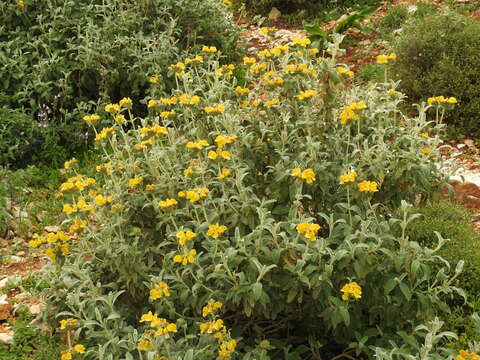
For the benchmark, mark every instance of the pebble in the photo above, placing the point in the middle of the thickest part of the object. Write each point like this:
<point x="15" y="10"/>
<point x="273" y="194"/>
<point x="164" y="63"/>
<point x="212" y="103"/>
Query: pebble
<point x="6" y="338"/>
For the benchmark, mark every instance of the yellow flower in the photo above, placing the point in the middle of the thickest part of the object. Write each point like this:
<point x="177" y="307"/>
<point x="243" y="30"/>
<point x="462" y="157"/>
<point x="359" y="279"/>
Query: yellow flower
<point x="160" y="290"/>
<point x="224" y="173"/>
<point x="66" y="355"/>
<point x="383" y="59"/>
<point x="308" y="94"/>
<point x="21" y="5"/>
<point x="242" y="91"/>
<point x="392" y="93"/>
<point x="154" y="130"/>
<point x="349" y="112"/>
<point x="66" y="323"/>
<point x="79" y="348"/>
<point x="265" y="344"/>
<point x="106" y="132"/>
<point x="268" y="30"/>
<point x="112" y="108"/>
<point x="69" y="209"/>
<point x="187" y="259"/>
<point x="199" y="145"/>
<point x="308" y="230"/>
<point x="424" y="135"/>
<point x="101" y="200"/>
<point x="216" y="230"/>
<point x="249" y="60"/>
<point x="302" y="42"/>
<point x="211" y="307"/>
<point x="166" y="204"/>
<point x="145" y="345"/>
<point x="308" y="175"/>
<point x="153" y="79"/>
<point x="209" y="49"/>
<point x="344" y="71"/>
<point x="425" y="151"/>
<point x="351" y="290"/>
<point x="367" y="187"/>
<point x="272" y="102"/>
<point x="348" y="177"/>
<point x="222" y="140"/>
<point x="126" y="102"/>
<point x="185" y="236"/>
<point x="70" y="163"/>
<point x="90" y="119"/>
<point x="133" y="183"/>
<point x="215" y="110"/>
<point x="119" y="118"/>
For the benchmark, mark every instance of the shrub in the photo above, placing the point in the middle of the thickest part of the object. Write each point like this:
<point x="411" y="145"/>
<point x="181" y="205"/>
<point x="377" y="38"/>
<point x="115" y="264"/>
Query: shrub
<point x="59" y="57"/>
<point x="249" y="220"/>
<point x="438" y="55"/>
<point x="311" y="7"/>
<point x="452" y="222"/>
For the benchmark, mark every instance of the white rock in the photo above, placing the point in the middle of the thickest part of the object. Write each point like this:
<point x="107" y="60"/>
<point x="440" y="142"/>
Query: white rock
<point x="36" y="309"/>
<point x="6" y="338"/>
<point x="461" y="146"/>
<point x="3" y="282"/>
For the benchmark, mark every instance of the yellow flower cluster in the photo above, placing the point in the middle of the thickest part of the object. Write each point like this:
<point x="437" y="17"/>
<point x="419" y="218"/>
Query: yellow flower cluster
<point x="78" y="225"/>
<point x="68" y="355"/>
<point x="68" y="323"/>
<point x="441" y="100"/>
<point x="425" y="151"/>
<point x="154" y="130"/>
<point x="226" y="70"/>
<point x="162" y="325"/>
<point x="106" y="132"/>
<point x="257" y="68"/>
<point x="223" y="173"/>
<point x="344" y="71"/>
<point x="188" y="258"/>
<point x="90" y="119"/>
<point x="211" y="307"/>
<point x="308" y="230"/>
<point x="160" y="290"/>
<point x="272" y="102"/>
<point x="209" y="49"/>
<point x="126" y="102"/>
<point x="196" y="60"/>
<point x="167" y="204"/>
<point x="242" y="91"/>
<point x="367" y="187"/>
<point x="188" y="100"/>
<point x="101" y="200"/>
<point x="349" y="114"/>
<point x="81" y="205"/>
<point x="225" y="350"/>
<point x="133" y="183"/>
<point x="210" y="327"/>
<point x="268" y="30"/>
<point x="185" y="236"/>
<point x="307" y="94"/>
<point x="348" y="177"/>
<point x="145" y="345"/>
<point x="179" y="66"/>
<point x="300" y="68"/>
<point x="215" y="109"/>
<point x="308" y="175"/>
<point x="269" y="79"/>
<point x="249" y="60"/>
<point x="194" y="195"/>
<point x="199" y="145"/>
<point x="167" y="114"/>
<point x="77" y="183"/>
<point x="154" y="79"/>
<point x="424" y="135"/>
<point x="144" y="144"/>
<point x="465" y="355"/>
<point x="392" y="93"/>
<point x="59" y="241"/>
<point x="351" y="289"/>
<point x="70" y="163"/>
<point x="112" y="108"/>
<point x="21" y="4"/>
<point x="216" y="230"/>
<point x="302" y="42"/>
<point x="383" y="59"/>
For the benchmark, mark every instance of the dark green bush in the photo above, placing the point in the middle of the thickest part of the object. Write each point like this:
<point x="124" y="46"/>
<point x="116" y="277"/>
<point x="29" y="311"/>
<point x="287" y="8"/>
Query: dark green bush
<point x="438" y="55"/>
<point x="312" y="7"/>
<point x="59" y="57"/>
<point x="452" y="222"/>
<point x="397" y="15"/>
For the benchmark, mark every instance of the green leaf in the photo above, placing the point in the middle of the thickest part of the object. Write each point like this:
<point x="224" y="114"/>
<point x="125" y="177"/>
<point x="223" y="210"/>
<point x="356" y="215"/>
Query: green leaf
<point x="345" y="315"/>
<point x="389" y="286"/>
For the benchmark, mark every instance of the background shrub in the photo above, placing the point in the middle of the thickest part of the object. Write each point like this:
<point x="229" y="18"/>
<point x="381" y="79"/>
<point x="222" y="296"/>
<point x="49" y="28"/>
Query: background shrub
<point x="438" y="55"/>
<point x="452" y="222"/>
<point x="59" y="57"/>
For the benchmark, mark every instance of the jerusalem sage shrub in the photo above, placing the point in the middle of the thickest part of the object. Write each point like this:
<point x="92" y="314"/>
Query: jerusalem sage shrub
<point x="249" y="221"/>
